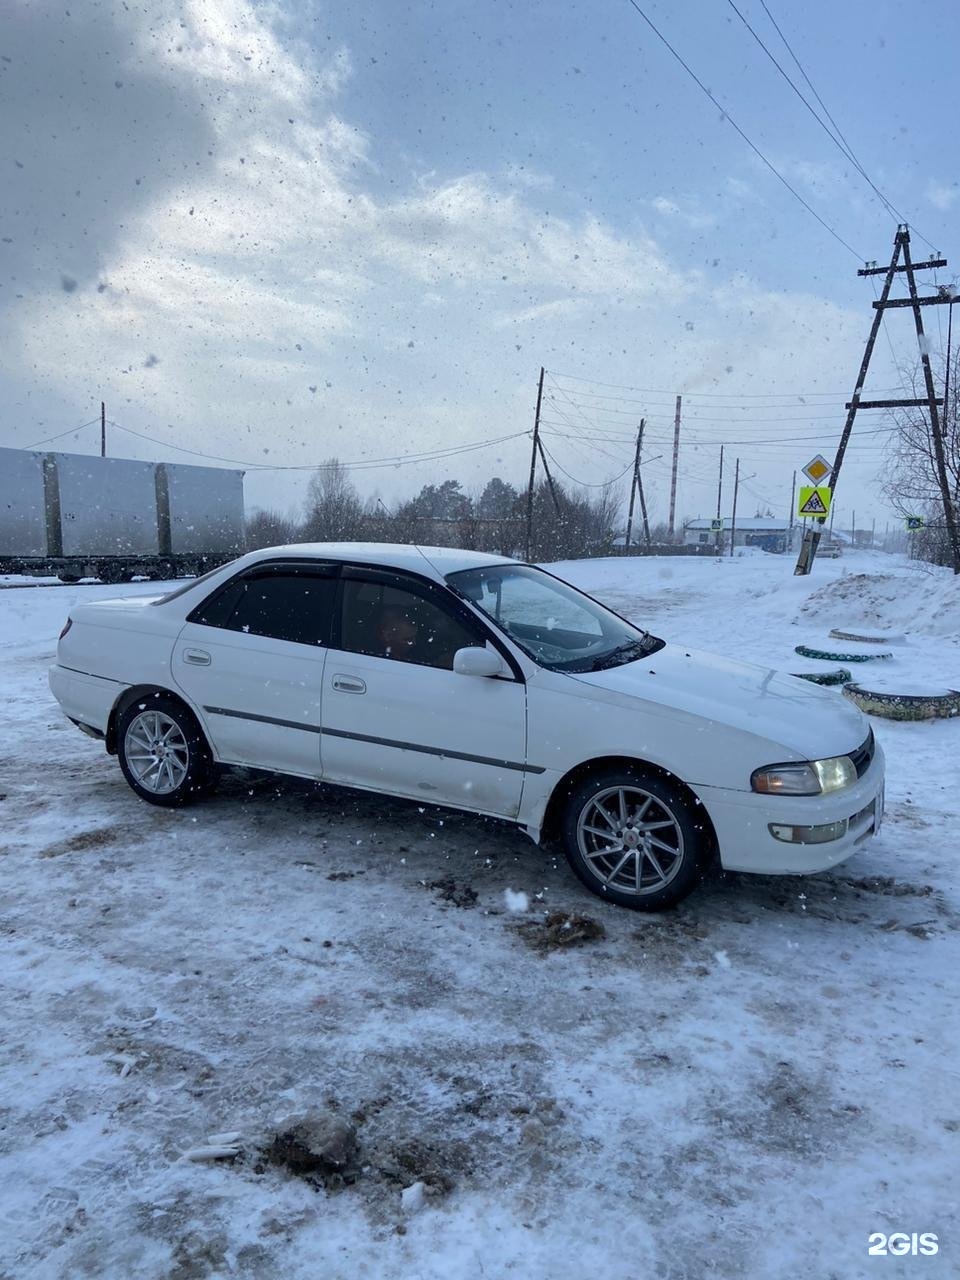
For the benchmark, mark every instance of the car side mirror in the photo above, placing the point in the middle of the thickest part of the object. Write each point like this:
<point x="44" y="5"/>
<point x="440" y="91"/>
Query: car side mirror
<point x="475" y="661"/>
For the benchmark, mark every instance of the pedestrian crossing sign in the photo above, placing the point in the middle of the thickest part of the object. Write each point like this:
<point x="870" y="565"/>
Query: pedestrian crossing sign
<point x="716" y="526"/>
<point x="814" y="500"/>
<point x="914" y="523"/>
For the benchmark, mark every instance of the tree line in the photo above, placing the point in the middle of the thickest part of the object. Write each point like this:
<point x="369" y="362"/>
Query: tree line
<point x="567" y="522"/>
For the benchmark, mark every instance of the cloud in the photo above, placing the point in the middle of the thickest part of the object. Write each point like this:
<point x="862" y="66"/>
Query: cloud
<point x="93" y="137"/>
<point x="690" y="216"/>
<point x="942" y="195"/>
<point x="240" y="288"/>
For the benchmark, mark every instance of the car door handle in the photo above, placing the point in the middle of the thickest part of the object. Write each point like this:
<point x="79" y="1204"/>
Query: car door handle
<point x="198" y="657"/>
<point x="349" y="684"/>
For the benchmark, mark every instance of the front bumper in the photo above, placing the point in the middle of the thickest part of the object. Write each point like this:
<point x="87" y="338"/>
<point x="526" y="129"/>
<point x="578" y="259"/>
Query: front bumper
<point x="742" y="821"/>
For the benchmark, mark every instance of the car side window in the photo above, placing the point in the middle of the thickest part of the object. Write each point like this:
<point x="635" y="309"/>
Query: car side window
<point x="292" y="605"/>
<point x="386" y="620"/>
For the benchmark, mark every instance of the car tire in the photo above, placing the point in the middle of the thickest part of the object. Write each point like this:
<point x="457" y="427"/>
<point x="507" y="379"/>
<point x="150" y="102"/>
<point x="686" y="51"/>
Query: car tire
<point x="654" y="834"/>
<point x="162" y="751"/>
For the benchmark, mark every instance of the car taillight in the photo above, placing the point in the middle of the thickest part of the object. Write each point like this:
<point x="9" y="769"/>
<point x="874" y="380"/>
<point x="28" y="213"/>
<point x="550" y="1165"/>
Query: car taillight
<point x="66" y="627"/>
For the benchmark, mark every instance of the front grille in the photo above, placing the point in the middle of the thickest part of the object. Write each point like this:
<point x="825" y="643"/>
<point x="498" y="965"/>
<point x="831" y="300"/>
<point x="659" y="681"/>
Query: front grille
<point x="863" y="755"/>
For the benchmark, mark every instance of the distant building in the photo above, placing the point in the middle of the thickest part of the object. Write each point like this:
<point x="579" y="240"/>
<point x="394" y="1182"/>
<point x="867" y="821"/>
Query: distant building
<point x="766" y="532"/>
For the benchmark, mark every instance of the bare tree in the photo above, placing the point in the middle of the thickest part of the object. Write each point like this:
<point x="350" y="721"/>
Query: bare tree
<point x="333" y="510"/>
<point x="910" y="476"/>
<point x="575" y="525"/>
<point x="271" y="529"/>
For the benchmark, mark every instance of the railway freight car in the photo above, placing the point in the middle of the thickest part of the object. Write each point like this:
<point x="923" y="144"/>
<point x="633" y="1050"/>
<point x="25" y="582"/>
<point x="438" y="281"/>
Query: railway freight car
<point x="114" y="518"/>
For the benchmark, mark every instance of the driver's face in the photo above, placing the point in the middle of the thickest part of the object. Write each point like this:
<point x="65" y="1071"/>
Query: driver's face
<point x="397" y="632"/>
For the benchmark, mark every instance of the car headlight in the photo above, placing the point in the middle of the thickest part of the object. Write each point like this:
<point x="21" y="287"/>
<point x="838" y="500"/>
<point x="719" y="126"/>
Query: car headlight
<point x="809" y="778"/>
<point x="835" y="773"/>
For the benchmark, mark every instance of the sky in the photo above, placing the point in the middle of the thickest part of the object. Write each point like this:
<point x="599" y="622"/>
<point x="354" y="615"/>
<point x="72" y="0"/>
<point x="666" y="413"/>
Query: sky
<point x="269" y="234"/>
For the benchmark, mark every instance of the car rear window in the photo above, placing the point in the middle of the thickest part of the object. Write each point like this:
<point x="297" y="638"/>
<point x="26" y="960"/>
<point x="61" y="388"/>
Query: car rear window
<point x="293" y="603"/>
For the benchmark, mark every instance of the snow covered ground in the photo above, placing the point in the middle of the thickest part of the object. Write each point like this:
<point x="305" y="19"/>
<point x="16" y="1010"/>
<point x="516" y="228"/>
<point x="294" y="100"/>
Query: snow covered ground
<point x="749" y="1086"/>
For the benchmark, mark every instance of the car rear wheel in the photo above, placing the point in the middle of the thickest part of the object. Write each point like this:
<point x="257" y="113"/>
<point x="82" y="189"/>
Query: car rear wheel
<point x="163" y="753"/>
<point x="632" y="838"/>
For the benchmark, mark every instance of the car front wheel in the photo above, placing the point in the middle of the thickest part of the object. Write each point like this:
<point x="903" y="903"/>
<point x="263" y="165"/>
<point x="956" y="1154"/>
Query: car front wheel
<point x="162" y="751"/>
<point x="633" y="838"/>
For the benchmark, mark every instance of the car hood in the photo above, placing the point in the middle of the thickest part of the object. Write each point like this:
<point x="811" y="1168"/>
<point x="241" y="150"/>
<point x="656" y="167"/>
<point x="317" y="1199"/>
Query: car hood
<point x="811" y="722"/>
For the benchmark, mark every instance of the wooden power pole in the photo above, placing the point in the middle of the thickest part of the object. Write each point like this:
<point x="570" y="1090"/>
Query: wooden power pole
<point x="733" y="517"/>
<point x="901" y="248"/>
<point x="635" y="483"/>
<point x="719" y="500"/>
<point x="673" y="476"/>
<point x="533" y="468"/>
<point x="103" y="430"/>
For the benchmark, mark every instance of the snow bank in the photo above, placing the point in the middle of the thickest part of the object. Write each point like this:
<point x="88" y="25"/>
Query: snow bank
<point x="916" y="600"/>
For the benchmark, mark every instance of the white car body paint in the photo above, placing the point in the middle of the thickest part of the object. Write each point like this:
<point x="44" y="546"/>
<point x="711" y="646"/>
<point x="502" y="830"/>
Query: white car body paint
<point x="489" y="745"/>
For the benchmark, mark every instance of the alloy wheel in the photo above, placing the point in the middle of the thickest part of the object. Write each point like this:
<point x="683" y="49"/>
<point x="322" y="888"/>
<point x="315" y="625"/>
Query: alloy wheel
<point x="630" y="840"/>
<point x="156" y="752"/>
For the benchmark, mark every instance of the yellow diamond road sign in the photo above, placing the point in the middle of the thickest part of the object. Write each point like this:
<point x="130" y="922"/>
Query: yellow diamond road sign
<point x="817" y="468"/>
<point x="814" y="501"/>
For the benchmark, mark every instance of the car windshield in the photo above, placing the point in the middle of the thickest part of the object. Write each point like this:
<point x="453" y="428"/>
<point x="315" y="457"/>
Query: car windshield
<point x="558" y="626"/>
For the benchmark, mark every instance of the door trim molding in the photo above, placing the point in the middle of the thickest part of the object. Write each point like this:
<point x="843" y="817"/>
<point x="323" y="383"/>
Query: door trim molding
<point x="379" y="742"/>
<point x="249" y="715"/>
<point x="433" y="751"/>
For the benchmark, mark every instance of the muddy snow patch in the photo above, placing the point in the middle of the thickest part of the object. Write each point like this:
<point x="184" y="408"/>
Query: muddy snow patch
<point x="560" y="930"/>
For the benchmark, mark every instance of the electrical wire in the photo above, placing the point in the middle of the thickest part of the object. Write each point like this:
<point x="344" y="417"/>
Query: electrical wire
<point x="719" y="395"/>
<point x="363" y="464"/>
<point x="50" y="439"/>
<point x="586" y="484"/>
<point x="752" y="145"/>
<point x="839" y="132"/>
<point x="842" y="146"/>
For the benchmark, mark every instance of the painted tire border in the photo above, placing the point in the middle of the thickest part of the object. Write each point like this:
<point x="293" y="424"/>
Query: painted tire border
<point x="838" y="676"/>
<point x="839" y="633"/>
<point x="905" y="706"/>
<point x="828" y="655"/>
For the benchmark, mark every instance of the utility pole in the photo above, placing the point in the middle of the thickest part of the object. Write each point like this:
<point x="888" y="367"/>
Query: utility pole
<point x="546" y="471"/>
<point x="533" y="467"/>
<point x="643" y="503"/>
<point x="932" y="403"/>
<point x="719" y="500"/>
<point x="673" y="478"/>
<point x="733" y="521"/>
<point x="103" y="430"/>
<point x="793" y="494"/>
<point x="633" y="485"/>
<point x="901" y="246"/>
<point x="853" y="530"/>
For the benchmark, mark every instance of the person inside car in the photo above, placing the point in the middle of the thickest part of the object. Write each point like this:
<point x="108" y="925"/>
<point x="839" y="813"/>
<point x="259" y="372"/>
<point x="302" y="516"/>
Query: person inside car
<point x="397" y="634"/>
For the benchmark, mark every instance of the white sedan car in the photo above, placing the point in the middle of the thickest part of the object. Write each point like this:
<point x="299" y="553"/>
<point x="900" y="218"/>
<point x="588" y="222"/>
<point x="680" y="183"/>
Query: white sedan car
<point x="477" y="682"/>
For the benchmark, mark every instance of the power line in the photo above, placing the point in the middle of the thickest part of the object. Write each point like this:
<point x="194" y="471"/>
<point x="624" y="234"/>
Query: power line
<point x="839" y="132"/>
<point x="640" y="403"/>
<point x="361" y="465"/>
<point x="50" y="439"/>
<point x="752" y="145"/>
<point x="719" y="395"/>
<point x="586" y="483"/>
<point x="842" y="146"/>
